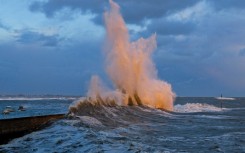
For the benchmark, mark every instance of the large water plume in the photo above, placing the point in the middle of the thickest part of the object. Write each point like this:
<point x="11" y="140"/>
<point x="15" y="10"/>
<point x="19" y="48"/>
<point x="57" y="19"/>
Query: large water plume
<point x="130" y="67"/>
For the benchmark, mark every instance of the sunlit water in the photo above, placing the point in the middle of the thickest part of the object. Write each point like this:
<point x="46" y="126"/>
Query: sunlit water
<point x="197" y="125"/>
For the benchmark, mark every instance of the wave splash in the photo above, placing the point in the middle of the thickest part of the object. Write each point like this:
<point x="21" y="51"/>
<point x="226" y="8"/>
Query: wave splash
<point x="131" y="69"/>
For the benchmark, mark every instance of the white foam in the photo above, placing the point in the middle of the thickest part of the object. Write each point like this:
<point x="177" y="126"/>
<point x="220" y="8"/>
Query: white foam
<point x="195" y="107"/>
<point x="90" y="121"/>
<point x="225" y="98"/>
<point x="110" y="110"/>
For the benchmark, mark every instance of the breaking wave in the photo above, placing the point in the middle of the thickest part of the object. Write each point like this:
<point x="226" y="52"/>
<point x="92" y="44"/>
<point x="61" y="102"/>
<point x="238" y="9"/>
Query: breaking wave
<point x="108" y="113"/>
<point x="195" y="107"/>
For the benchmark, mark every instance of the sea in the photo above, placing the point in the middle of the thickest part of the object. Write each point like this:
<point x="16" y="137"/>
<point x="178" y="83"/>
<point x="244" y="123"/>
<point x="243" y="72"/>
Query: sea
<point x="197" y="124"/>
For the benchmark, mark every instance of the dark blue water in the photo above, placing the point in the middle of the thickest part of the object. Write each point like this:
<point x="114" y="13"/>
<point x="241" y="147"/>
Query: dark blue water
<point x="34" y="107"/>
<point x="196" y="125"/>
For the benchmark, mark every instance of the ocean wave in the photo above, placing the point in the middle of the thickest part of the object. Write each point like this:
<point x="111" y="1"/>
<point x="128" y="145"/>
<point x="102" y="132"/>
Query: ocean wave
<point x="107" y="127"/>
<point x="109" y="114"/>
<point x="196" y="107"/>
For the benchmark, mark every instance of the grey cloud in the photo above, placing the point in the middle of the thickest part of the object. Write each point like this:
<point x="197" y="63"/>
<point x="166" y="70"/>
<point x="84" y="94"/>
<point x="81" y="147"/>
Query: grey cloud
<point x="214" y="35"/>
<point x="164" y="27"/>
<point x="28" y="37"/>
<point x="210" y="47"/>
<point x="207" y="43"/>
<point x="139" y="10"/>
<point x="133" y="11"/>
<point x="52" y="6"/>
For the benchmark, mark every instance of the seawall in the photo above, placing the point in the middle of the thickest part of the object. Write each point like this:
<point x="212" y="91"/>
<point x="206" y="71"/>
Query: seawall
<point x="16" y="127"/>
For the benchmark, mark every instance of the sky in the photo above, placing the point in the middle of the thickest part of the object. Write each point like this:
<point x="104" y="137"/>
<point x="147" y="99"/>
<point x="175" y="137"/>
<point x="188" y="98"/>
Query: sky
<point x="55" y="46"/>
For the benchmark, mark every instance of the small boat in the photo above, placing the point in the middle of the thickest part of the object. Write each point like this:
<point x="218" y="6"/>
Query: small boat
<point x="7" y="110"/>
<point x="21" y="108"/>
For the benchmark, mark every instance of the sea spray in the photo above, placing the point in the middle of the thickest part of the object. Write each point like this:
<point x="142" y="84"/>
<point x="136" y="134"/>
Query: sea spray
<point x="131" y="69"/>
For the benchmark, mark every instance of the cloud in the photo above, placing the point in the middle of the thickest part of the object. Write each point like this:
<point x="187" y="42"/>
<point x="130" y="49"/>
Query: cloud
<point x="51" y="7"/>
<point x="209" y="51"/>
<point x="30" y="37"/>
<point x="133" y="11"/>
<point x="165" y="27"/>
<point x="138" y="11"/>
<point x="3" y="26"/>
<point x="200" y="44"/>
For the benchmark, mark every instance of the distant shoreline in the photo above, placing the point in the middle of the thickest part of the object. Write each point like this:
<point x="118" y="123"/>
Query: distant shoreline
<point x="37" y="96"/>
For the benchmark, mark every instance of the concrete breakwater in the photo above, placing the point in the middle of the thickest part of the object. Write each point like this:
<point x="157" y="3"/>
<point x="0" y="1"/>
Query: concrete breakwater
<point x="15" y="127"/>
